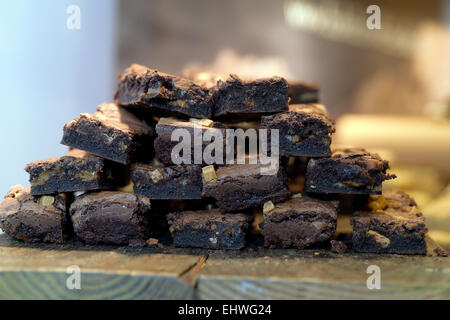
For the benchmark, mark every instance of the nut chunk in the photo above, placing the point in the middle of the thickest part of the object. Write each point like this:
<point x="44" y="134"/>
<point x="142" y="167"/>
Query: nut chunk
<point x="174" y="182"/>
<point x="208" y="229"/>
<point x="34" y="219"/>
<point x="239" y="187"/>
<point x="391" y="224"/>
<point x="305" y="130"/>
<point x="76" y="171"/>
<point x="299" y="222"/>
<point x="112" y="133"/>
<point x="111" y="217"/>
<point x="239" y="99"/>
<point x="352" y="171"/>
<point x="151" y="91"/>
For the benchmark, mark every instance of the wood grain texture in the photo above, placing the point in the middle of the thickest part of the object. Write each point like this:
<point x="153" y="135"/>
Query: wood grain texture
<point x="290" y="274"/>
<point x="39" y="272"/>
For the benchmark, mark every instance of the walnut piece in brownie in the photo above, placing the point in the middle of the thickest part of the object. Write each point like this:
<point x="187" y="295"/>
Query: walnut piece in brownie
<point x="238" y="99"/>
<point x="353" y="171"/>
<point x="76" y="171"/>
<point x="112" y="133"/>
<point x="173" y="182"/>
<point x="299" y="222"/>
<point x="208" y="229"/>
<point x="154" y="92"/>
<point x="239" y="187"/>
<point x="302" y="92"/>
<point x="34" y="219"/>
<point x="164" y="145"/>
<point x="111" y="217"/>
<point x="305" y="130"/>
<point x="390" y="224"/>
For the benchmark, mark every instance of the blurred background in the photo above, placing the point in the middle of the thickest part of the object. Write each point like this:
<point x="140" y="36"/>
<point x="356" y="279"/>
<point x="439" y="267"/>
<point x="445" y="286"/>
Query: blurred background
<point x="388" y="89"/>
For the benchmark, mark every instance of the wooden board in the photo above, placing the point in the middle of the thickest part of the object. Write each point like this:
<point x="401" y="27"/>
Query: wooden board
<point x="39" y="272"/>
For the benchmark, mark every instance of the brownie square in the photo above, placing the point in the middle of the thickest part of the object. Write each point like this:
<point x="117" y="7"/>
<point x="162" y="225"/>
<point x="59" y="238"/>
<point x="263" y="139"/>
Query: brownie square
<point x="112" y="133"/>
<point x="34" y="219"/>
<point x="164" y="144"/>
<point x="208" y="229"/>
<point x="173" y="182"/>
<point x="391" y="223"/>
<point x="111" y="217"/>
<point x="353" y="171"/>
<point x="239" y="187"/>
<point x="76" y="171"/>
<point x="305" y="130"/>
<point x="299" y="222"/>
<point x="303" y="92"/>
<point x="157" y="93"/>
<point x="238" y="99"/>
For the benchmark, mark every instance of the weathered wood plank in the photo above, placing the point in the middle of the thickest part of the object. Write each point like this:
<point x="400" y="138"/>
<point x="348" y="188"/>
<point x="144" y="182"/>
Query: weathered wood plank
<point x="39" y="272"/>
<point x="291" y="274"/>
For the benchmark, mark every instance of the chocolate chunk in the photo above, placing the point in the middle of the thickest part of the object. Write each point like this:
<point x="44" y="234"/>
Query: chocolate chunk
<point x="390" y="224"/>
<point x="299" y="222"/>
<point x="76" y="171"/>
<point x="304" y="130"/>
<point x="239" y="187"/>
<point x="238" y="99"/>
<point x="112" y="133"/>
<point x="34" y="219"/>
<point x="208" y="229"/>
<point x="173" y="182"/>
<point x="353" y="171"/>
<point x="149" y="90"/>
<point x="112" y="217"/>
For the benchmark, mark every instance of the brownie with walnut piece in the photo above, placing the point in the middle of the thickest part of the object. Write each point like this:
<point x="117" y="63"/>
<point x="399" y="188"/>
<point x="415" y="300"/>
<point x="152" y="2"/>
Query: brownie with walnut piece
<point x="112" y="217"/>
<point x="298" y="222"/>
<point x="157" y="93"/>
<point x="238" y="187"/>
<point x="352" y="171"/>
<point x="76" y="171"/>
<point x="305" y="130"/>
<point x="209" y="229"/>
<point x="390" y="224"/>
<point x="35" y="218"/>
<point x="172" y="182"/>
<point x="164" y="145"/>
<point x="238" y="99"/>
<point x="112" y="133"/>
<point x="302" y="92"/>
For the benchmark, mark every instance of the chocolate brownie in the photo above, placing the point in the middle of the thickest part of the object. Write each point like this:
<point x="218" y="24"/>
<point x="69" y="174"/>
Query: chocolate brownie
<point x="299" y="222"/>
<point x="237" y="98"/>
<point x="303" y="92"/>
<point x="111" y="217"/>
<point x="238" y="187"/>
<point x="76" y="171"/>
<point x="112" y="133"/>
<point x="208" y="229"/>
<point x="149" y="90"/>
<point x="173" y="182"/>
<point x="390" y="224"/>
<point x="305" y="130"/>
<point x="207" y="128"/>
<point x="353" y="171"/>
<point x="34" y="219"/>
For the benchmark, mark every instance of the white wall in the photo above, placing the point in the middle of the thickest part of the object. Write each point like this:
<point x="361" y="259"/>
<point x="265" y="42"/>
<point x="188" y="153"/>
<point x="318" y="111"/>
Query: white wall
<point x="50" y="74"/>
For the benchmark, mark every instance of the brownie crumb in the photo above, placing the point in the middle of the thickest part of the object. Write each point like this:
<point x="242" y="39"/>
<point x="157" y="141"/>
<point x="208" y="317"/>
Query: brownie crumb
<point x="154" y="243"/>
<point x="440" y="252"/>
<point x="338" y="246"/>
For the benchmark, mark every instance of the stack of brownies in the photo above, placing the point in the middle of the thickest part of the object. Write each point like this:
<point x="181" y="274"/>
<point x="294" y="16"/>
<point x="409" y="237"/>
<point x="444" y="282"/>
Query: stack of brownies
<point x="122" y="182"/>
